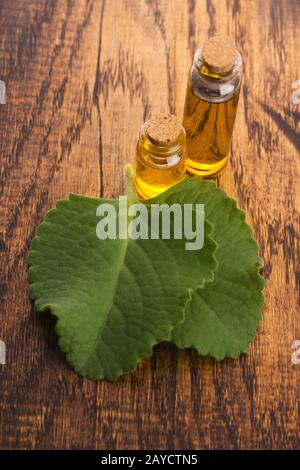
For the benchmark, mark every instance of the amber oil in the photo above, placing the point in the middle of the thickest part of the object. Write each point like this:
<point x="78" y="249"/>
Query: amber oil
<point x="160" y="155"/>
<point x="210" y="106"/>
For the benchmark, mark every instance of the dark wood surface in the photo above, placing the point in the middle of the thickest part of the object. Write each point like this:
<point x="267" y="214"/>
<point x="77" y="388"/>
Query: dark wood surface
<point x="81" y="78"/>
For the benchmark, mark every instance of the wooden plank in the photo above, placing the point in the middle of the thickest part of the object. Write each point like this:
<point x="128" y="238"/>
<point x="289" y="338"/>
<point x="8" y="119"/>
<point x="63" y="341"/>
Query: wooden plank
<point x="81" y="78"/>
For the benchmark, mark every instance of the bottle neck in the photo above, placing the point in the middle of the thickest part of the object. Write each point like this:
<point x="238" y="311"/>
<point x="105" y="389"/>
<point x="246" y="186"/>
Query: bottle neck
<point x="161" y="156"/>
<point x="213" y="87"/>
<point x="205" y="71"/>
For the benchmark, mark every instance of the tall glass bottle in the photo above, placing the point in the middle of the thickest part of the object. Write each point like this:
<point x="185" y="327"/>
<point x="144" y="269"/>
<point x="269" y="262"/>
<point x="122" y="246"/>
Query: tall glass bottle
<point x="210" y="106"/>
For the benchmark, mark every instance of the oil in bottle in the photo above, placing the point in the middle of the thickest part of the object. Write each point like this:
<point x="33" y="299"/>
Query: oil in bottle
<point x="160" y="155"/>
<point x="210" y="106"/>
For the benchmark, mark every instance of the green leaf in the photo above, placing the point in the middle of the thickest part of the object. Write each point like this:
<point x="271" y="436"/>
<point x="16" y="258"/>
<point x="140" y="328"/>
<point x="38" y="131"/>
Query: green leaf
<point x="114" y="299"/>
<point x="221" y="317"/>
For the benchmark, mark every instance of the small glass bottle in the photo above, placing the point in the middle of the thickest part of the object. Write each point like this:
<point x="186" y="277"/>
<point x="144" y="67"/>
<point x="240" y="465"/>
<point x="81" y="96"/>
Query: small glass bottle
<point x="210" y="106"/>
<point x="160" y="156"/>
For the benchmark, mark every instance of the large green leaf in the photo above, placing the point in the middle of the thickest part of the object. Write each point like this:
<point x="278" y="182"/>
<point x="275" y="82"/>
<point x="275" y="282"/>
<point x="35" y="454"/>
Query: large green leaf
<point x="222" y="317"/>
<point x="114" y="299"/>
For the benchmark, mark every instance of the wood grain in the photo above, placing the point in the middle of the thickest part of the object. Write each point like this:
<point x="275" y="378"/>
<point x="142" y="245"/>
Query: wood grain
<point x="81" y="78"/>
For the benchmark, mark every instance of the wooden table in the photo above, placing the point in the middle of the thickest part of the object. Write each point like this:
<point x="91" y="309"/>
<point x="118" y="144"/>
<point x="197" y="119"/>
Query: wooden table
<point x="81" y="78"/>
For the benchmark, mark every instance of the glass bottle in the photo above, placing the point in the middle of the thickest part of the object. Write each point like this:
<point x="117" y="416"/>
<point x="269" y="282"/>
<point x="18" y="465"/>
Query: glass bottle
<point x="160" y="155"/>
<point x="210" y="106"/>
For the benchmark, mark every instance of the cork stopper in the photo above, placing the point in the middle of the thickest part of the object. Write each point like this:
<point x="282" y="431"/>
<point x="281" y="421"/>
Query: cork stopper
<point x="163" y="129"/>
<point x="219" y="54"/>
